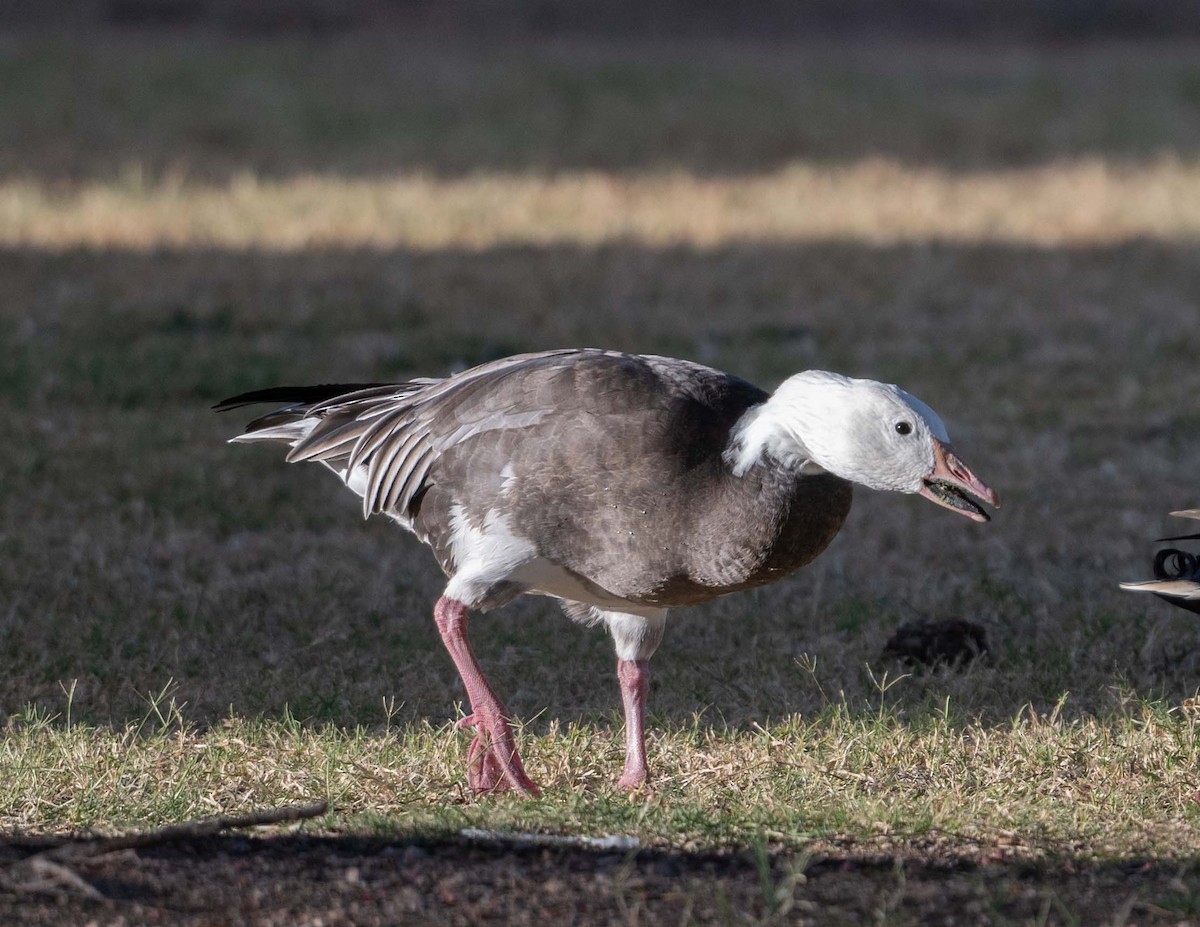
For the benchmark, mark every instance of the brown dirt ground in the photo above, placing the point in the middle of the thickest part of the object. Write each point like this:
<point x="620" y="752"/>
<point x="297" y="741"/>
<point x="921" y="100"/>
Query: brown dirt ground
<point x="296" y="880"/>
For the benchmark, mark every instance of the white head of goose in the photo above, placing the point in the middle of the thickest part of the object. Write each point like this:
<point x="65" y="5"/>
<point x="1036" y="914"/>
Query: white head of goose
<point x="623" y="485"/>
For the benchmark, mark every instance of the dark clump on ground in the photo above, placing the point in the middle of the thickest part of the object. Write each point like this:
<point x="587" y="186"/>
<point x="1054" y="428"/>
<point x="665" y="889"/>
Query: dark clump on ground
<point x="330" y="881"/>
<point x="949" y="642"/>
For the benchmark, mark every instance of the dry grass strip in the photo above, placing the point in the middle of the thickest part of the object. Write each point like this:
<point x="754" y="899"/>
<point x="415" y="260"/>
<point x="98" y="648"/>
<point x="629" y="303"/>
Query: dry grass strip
<point x="874" y="201"/>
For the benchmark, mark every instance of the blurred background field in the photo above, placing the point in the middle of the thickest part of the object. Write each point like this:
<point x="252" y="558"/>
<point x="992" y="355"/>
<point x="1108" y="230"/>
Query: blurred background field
<point x="1002" y="216"/>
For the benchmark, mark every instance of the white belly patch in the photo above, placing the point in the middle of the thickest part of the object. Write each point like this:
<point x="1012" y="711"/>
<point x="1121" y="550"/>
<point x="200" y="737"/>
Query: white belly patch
<point x="490" y="556"/>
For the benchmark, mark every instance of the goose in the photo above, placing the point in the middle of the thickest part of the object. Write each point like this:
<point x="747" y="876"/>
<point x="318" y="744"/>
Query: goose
<point x="1176" y="572"/>
<point x="623" y="485"/>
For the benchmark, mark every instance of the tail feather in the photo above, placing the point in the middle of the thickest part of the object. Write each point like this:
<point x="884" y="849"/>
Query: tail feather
<point x="328" y="424"/>
<point x="287" y="424"/>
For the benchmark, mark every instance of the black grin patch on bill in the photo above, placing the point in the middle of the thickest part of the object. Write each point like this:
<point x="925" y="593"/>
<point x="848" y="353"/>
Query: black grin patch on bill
<point x="950" y="495"/>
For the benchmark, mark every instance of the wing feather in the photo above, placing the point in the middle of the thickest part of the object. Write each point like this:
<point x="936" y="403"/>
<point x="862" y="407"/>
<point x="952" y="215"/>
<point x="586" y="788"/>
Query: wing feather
<point x="386" y="465"/>
<point x="398" y="431"/>
<point x="332" y="439"/>
<point x="366" y="397"/>
<point x="409" y="478"/>
<point x="376" y="432"/>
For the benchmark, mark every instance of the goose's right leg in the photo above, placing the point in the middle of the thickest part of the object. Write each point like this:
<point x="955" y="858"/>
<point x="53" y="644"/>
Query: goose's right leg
<point x="493" y="762"/>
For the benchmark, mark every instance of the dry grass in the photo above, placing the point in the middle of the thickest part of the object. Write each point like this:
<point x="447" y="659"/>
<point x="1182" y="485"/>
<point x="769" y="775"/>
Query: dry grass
<point x="871" y="202"/>
<point x="972" y="225"/>
<point x="869" y="783"/>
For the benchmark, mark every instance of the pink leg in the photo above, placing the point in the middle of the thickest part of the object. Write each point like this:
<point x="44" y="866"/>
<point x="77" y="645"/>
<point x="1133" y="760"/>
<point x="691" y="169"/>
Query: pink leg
<point x="493" y="763"/>
<point x="634" y="676"/>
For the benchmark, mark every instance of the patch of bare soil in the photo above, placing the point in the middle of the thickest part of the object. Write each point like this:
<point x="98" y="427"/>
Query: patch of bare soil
<point x="332" y="881"/>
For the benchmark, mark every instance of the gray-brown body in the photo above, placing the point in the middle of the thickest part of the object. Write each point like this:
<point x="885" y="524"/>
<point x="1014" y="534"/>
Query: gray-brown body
<point x="610" y="464"/>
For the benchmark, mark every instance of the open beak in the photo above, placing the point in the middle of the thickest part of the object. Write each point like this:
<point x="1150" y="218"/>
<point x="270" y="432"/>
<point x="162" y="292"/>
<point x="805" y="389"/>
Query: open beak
<point x="951" y="480"/>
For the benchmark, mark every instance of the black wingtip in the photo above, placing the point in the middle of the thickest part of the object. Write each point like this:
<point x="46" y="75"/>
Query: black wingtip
<point x="292" y="395"/>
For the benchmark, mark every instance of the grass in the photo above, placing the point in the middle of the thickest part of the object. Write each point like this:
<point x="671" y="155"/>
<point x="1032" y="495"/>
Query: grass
<point x="204" y="108"/>
<point x="867" y="781"/>
<point x="1010" y="233"/>
<point x="868" y="201"/>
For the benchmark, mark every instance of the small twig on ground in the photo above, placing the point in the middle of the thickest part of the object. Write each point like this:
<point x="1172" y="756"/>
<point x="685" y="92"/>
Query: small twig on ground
<point x="45" y="876"/>
<point x="187" y="830"/>
<point x="46" y="871"/>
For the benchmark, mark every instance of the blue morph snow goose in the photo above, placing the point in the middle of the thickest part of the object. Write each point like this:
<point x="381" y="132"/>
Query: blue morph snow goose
<point x="1176" y="572"/>
<point x="623" y="485"/>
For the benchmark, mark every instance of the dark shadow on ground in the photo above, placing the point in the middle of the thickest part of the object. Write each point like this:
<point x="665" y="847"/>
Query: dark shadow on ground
<point x="143" y="549"/>
<point x="291" y="880"/>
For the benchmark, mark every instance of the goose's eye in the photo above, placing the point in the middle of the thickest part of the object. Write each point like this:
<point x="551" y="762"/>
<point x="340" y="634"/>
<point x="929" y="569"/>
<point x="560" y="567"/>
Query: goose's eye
<point x="903" y="428"/>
